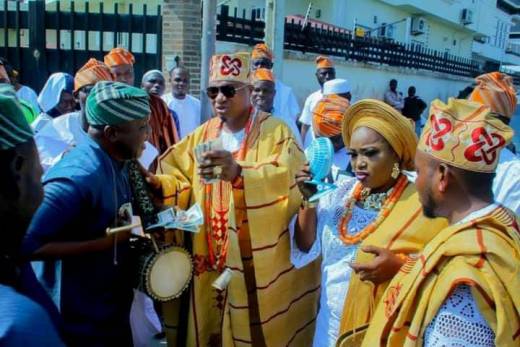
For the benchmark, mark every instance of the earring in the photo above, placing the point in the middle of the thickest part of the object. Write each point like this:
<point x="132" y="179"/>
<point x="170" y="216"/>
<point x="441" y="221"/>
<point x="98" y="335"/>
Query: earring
<point x="395" y="171"/>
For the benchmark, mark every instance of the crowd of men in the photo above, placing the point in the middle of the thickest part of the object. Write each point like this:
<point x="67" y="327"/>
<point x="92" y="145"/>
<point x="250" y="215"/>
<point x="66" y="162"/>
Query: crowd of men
<point x="417" y="244"/>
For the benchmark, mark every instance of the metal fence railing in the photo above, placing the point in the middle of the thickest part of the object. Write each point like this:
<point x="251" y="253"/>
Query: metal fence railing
<point x="40" y="39"/>
<point x="329" y="40"/>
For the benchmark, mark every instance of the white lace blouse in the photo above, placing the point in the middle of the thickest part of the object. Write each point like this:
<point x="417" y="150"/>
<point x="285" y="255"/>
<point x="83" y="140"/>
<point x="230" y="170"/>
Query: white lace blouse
<point x="336" y="255"/>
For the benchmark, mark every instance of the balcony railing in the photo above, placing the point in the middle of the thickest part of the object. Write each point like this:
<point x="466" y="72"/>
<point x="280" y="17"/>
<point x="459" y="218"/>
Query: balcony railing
<point x="326" y="39"/>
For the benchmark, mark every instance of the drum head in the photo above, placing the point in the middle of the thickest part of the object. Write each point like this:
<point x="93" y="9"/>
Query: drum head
<point x="169" y="274"/>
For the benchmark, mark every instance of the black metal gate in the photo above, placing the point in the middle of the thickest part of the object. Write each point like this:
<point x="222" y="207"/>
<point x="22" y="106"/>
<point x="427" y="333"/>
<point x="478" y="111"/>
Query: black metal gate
<point x="40" y="39"/>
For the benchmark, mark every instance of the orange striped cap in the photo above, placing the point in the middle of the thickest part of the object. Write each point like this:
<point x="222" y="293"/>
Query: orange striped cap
<point x="91" y="73"/>
<point x="261" y="50"/>
<point x="119" y="56"/>
<point x="496" y="91"/>
<point x="464" y="134"/>
<point x="327" y="117"/>
<point x="262" y="74"/>
<point x="323" y="62"/>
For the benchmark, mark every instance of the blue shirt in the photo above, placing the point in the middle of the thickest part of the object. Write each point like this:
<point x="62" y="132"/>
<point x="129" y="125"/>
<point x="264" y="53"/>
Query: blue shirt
<point x="23" y="322"/>
<point x="83" y="194"/>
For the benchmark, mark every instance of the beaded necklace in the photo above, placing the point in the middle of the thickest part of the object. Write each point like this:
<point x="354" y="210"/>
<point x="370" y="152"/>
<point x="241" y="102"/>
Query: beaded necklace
<point x="385" y="210"/>
<point x="217" y="235"/>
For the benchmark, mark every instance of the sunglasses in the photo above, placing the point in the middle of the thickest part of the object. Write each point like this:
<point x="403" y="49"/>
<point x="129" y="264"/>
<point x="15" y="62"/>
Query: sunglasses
<point x="227" y="91"/>
<point x="263" y="63"/>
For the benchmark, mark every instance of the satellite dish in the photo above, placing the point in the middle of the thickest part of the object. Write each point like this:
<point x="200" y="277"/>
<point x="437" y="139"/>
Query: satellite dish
<point x="320" y="155"/>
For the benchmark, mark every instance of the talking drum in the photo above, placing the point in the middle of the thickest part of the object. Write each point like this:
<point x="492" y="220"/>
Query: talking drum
<point x="164" y="275"/>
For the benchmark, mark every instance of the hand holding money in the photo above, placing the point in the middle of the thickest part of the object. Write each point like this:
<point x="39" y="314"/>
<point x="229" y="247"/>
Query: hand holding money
<point x="189" y="220"/>
<point x="215" y="163"/>
<point x="219" y="164"/>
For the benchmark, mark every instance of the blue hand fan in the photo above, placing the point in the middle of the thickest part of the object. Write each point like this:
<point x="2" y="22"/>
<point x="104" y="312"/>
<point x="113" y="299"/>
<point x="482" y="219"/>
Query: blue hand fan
<point x="320" y="155"/>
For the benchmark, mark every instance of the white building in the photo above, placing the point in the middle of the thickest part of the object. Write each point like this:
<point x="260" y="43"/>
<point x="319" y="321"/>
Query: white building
<point x="470" y="29"/>
<point x="460" y="27"/>
<point x="512" y="55"/>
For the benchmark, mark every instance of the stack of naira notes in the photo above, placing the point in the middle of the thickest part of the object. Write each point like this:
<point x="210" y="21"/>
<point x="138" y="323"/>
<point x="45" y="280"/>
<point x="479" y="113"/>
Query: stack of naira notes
<point x="189" y="220"/>
<point x="200" y="149"/>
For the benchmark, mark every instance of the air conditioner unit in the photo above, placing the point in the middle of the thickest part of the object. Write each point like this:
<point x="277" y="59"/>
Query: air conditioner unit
<point x="418" y="26"/>
<point x="466" y="16"/>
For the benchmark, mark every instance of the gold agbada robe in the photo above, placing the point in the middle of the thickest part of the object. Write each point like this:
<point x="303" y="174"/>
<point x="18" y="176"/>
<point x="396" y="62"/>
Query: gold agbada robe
<point x="282" y="300"/>
<point x="482" y="253"/>
<point x="404" y="231"/>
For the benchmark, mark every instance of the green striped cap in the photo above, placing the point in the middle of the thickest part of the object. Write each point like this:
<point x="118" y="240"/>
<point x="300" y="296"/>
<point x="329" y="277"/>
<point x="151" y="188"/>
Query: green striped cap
<point x="111" y="103"/>
<point x="14" y="128"/>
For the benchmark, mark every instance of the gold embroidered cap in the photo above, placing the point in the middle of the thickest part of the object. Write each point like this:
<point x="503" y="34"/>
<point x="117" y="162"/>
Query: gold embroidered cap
<point x="464" y="134"/>
<point x="230" y="67"/>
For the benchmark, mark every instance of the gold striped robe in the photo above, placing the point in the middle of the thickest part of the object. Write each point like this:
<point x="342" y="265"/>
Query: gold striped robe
<point x="484" y="254"/>
<point x="281" y="307"/>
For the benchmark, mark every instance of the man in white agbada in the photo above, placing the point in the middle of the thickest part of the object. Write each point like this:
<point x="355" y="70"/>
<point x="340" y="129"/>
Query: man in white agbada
<point x="285" y="104"/>
<point x="496" y="90"/>
<point x="55" y="99"/>
<point x="506" y="185"/>
<point x="184" y="105"/>
<point x="325" y="71"/>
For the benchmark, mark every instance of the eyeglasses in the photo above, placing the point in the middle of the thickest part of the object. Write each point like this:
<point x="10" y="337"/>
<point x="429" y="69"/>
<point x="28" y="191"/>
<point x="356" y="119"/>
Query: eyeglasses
<point x="228" y="91"/>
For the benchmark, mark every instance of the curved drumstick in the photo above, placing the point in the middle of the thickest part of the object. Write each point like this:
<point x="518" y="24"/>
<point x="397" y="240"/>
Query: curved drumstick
<point x="123" y="228"/>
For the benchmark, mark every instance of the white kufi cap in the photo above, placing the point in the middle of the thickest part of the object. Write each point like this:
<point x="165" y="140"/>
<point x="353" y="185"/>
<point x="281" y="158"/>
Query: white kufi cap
<point x="336" y="86"/>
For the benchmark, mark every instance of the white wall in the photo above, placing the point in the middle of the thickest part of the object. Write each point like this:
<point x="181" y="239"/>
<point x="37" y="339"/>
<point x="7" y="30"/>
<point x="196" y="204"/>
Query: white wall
<point x="495" y="24"/>
<point x="443" y="38"/>
<point x="445" y="10"/>
<point x="372" y="82"/>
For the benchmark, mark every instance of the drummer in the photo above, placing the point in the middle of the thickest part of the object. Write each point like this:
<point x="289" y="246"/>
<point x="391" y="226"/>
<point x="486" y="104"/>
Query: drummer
<point x="85" y="193"/>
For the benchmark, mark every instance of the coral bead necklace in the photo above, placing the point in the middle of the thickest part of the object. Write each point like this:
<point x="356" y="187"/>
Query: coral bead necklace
<point x="357" y="196"/>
